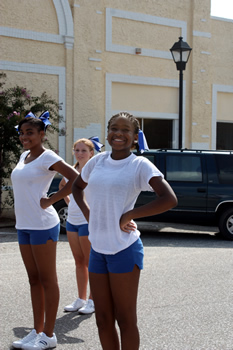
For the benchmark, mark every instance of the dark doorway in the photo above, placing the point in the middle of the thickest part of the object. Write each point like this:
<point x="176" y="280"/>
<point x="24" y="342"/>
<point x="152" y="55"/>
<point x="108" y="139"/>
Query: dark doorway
<point x="158" y="132"/>
<point x="225" y="136"/>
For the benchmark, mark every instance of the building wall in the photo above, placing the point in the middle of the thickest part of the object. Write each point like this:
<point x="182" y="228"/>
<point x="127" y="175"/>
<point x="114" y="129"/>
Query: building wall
<point x="83" y="53"/>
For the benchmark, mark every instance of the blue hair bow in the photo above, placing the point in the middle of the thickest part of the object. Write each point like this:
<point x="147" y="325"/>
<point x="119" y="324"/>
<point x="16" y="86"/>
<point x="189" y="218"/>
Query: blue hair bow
<point x="96" y="142"/>
<point x="143" y="146"/>
<point x="44" y="117"/>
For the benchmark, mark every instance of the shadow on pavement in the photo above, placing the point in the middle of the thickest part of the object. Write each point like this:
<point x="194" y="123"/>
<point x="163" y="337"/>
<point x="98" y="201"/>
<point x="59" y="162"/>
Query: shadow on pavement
<point x="69" y="322"/>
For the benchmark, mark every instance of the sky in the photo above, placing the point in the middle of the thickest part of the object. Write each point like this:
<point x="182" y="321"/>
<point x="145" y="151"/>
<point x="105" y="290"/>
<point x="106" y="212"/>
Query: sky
<point x="222" y="8"/>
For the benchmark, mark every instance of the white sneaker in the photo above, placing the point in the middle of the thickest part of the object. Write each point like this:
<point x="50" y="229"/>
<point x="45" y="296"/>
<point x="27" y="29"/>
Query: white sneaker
<point x="41" y="342"/>
<point x="76" y="305"/>
<point x="88" y="308"/>
<point x="18" y="344"/>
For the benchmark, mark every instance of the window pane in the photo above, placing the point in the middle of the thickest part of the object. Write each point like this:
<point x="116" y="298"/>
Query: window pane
<point x="224" y="136"/>
<point x="158" y="133"/>
<point x="183" y="168"/>
<point x="225" y="168"/>
<point x="150" y="158"/>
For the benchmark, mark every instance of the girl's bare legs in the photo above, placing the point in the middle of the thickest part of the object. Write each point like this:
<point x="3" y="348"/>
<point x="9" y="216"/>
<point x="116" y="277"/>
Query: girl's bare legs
<point x="40" y="263"/>
<point x="104" y="311"/>
<point x="124" y="287"/>
<point x="80" y="247"/>
<point x="36" y="288"/>
<point x="115" y="298"/>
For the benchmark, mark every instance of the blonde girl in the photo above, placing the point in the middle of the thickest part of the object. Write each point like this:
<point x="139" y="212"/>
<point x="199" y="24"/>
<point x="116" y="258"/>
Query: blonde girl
<point x="77" y="233"/>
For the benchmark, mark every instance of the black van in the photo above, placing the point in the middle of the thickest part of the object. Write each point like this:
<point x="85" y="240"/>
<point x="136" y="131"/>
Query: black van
<point x="202" y="181"/>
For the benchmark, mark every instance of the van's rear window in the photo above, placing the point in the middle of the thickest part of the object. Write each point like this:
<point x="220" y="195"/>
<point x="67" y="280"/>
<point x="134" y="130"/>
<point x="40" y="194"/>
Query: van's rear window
<point x="225" y="168"/>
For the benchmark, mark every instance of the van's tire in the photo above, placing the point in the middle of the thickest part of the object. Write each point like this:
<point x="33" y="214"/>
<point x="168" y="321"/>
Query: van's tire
<point x="225" y="224"/>
<point x="62" y="210"/>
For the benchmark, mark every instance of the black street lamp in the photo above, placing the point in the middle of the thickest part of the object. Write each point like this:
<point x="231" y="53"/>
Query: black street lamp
<point x="180" y="53"/>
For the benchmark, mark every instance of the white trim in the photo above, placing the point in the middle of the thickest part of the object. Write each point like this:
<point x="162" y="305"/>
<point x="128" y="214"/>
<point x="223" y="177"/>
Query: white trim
<point x="217" y="88"/>
<point x="60" y="16"/>
<point x="134" y="79"/>
<point x="140" y="17"/>
<point x="66" y="28"/>
<point x="201" y="34"/>
<point x="138" y="80"/>
<point x="31" y="35"/>
<point x="222" y="19"/>
<point x="65" y="21"/>
<point x="205" y="53"/>
<point x="94" y="59"/>
<point x="43" y="69"/>
<point x="64" y="16"/>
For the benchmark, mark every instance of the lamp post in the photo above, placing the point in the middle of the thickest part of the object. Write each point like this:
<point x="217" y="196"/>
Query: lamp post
<point x="180" y="53"/>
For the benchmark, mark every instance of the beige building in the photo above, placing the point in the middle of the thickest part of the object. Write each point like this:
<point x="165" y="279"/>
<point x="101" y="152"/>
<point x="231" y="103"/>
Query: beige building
<point x="83" y="53"/>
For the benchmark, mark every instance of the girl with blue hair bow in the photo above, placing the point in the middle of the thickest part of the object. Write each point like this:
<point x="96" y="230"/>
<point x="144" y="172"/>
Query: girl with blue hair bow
<point x="77" y="229"/>
<point x="115" y="179"/>
<point x="38" y="226"/>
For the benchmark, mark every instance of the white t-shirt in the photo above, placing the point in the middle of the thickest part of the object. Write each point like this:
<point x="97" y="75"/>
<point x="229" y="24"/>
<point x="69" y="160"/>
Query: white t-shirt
<point x="75" y="215"/>
<point x="31" y="182"/>
<point x="113" y="188"/>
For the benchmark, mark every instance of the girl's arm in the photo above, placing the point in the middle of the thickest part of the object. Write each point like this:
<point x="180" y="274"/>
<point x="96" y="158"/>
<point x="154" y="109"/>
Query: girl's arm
<point x="77" y="191"/>
<point x="62" y="183"/>
<point x="165" y="200"/>
<point x="67" y="171"/>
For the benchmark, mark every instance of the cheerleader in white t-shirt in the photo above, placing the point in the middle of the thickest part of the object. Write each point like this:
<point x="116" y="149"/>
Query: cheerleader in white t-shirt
<point x="77" y="230"/>
<point x="115" y="180"/>
<point x="38" y="226"/>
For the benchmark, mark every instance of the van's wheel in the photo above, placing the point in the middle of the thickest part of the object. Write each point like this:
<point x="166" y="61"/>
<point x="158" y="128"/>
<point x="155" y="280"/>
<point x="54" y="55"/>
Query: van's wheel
<point x="225" y="224"/>
<point x="62" y="210"/>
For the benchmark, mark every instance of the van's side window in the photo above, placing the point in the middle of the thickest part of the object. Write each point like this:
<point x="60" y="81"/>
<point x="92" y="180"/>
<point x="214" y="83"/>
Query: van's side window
<point x="150" y="158"/>
<point x="225" y="168"/>
<point x="183" y="168"/>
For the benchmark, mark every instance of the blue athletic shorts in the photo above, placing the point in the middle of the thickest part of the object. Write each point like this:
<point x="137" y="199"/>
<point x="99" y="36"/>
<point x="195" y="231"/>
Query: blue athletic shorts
<point x="121" y="262"/>
<point x="36" y="237"/>
<point x="82" y="230"/>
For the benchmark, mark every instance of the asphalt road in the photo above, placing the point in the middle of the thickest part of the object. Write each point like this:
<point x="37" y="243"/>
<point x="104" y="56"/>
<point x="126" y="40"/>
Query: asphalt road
<point x="185" y="297"/>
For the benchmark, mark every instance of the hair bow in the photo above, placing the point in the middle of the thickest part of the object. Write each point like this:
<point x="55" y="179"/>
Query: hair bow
<point x="44" y="117"/>
<point x="97" y="144"/>
<point x="142" y="143"/>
